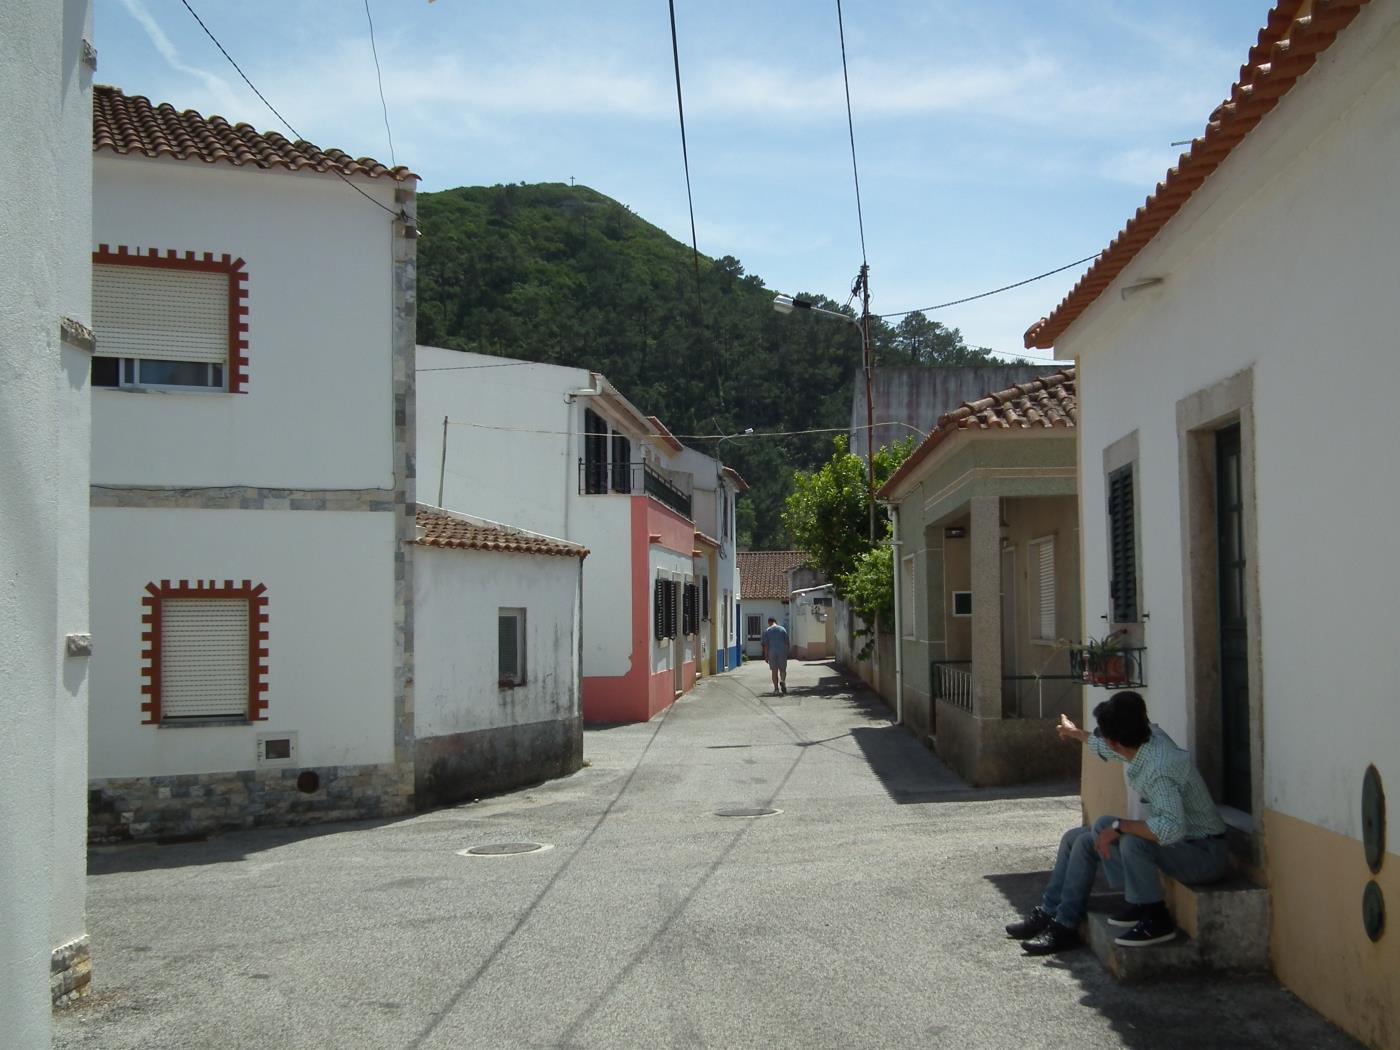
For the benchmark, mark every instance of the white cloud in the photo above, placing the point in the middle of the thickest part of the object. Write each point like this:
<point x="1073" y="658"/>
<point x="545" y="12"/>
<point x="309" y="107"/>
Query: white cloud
<point x="216" y="86"/>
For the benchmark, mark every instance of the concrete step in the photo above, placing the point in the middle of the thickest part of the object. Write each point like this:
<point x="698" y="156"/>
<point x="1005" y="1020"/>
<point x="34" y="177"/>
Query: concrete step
<point x="1221" y="927"/>
<point x="1170" y="958"/>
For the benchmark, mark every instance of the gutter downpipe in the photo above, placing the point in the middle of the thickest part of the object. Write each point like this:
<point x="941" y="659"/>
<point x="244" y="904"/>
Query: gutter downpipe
<point x="896" y="544"/>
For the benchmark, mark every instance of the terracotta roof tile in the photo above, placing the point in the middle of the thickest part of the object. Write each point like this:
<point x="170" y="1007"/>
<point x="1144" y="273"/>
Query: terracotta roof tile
<point x="763" y="574"/>
<point x="441" y="529"/>
<point x="1043" y="404"/>
<point x="1288" y="45"/>
<point x="131" y="124"/>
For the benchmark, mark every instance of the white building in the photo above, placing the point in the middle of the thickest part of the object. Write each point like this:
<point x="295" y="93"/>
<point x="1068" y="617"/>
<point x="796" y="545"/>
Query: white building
<point x="252" y="490"/>
<point x="45" y="346"/>
<point x="562" y="452"/>
<point x="497" y="633"/>
<point x="766" y="593"/>
<point x="714" y="490"/>
<point x="1236" y="348"/>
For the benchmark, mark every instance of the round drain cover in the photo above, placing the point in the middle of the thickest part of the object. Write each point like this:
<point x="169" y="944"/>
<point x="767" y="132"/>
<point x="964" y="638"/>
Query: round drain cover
<point x="749" y="811"/>
<point x="504" y="849"/>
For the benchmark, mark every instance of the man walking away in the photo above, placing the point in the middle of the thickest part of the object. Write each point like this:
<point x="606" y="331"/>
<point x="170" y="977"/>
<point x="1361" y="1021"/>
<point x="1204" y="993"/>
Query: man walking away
<point x="775" y="651"/>
<point x="1182" y="836"/>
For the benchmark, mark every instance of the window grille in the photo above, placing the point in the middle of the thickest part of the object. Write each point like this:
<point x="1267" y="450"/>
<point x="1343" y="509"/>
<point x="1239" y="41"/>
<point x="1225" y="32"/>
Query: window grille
<point x="1042" y="567"/>
<point x="704" y="599"/>
<point x="161" y="314"/>
<point x="658" y="609"/>
<point x="204" y="658"/>
<point x="1122" y="538"/>
<point x="754" y="628"/>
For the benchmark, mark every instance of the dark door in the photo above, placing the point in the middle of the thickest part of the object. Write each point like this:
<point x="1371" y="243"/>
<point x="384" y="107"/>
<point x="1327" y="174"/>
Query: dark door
<point x="1234" y="640"/>
<point x="595" y="452"/>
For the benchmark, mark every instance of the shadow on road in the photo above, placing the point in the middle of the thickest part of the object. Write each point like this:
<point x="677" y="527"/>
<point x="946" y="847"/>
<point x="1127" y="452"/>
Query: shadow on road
<point x="224" y="848"/>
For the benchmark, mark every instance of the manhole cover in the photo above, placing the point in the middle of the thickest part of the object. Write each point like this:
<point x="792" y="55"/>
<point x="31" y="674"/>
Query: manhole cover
<point x="504" y="849"/>
<point x="747" y="811"/>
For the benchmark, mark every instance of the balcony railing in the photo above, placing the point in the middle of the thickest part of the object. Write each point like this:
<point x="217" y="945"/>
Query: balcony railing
<point x="630" y="479"/>
<point x="1118" y="669"/>
<point x="952" y="682"/>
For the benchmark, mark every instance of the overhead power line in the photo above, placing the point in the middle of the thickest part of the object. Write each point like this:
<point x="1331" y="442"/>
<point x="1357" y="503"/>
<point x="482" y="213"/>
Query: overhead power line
<point x="285" y="122"/>
<point x="851" y="127"/>
<point x="380" y="78"/>
<point x="685" y="153"/>
<point x="994" y="291"/>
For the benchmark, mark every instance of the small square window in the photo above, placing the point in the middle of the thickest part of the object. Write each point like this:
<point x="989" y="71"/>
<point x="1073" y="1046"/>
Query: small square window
<point x="962" y="603"/>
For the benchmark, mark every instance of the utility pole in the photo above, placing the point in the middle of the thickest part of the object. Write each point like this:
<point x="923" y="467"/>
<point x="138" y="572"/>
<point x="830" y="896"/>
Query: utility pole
<point x="867" y="362"/>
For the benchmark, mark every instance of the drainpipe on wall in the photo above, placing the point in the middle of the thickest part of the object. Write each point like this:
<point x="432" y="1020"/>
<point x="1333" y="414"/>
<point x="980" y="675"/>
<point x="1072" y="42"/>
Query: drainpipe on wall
<point x="895" y="544"/>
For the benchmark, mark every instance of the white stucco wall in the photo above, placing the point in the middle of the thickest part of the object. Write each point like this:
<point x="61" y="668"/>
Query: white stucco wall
<point x="1284" y="262"/>
<point x="44" y="233"/>
<point x="524" y="474"/>
<point x="317" y="411"/>
<point x="330" y="589"/>
<point x="603" y="524"/>
<point x="457" y="597"/>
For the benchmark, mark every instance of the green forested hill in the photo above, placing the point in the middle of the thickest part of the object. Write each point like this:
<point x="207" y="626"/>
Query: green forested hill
<point x="566" y="275"/>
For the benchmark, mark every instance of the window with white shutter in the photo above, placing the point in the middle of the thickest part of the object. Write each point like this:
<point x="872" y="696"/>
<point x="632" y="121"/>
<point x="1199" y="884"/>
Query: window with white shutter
<point x="511" y="650"/>
<point x="1042" y="571"/>
<point x="168" y="320"/>
<point x="205" y="647"/>
<point x="906" y="596"/>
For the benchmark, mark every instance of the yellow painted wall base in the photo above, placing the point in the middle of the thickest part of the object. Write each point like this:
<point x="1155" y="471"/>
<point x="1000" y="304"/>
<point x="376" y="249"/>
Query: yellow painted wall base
<point x="1318" y="945"/>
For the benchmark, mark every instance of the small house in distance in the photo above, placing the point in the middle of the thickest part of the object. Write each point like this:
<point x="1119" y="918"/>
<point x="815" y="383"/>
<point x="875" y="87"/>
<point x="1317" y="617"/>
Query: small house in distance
<point x="767" y="590"/>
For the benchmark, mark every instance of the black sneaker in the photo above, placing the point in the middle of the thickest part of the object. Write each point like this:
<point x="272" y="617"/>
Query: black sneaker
<point x="1129" y="916"/>
<point x="1154" y="928"/>
<point x="783" y="687"/>
<point x="1032" y="924"/>
<point x="1054" y="938"/>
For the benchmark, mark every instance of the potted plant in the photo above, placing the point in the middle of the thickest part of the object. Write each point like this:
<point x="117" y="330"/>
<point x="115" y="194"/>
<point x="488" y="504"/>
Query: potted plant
<point x="1104" y="662"/>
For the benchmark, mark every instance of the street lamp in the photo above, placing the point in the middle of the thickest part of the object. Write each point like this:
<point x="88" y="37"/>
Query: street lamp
<point x="786" y="304"/>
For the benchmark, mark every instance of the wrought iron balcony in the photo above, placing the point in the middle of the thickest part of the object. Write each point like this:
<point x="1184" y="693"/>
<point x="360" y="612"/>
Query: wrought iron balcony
<point x="632" y="479"/>
<point x="1114" y="669"/>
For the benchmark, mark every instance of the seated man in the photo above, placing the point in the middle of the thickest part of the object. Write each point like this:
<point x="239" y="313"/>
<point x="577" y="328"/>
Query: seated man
<point x="1183" y="836"/>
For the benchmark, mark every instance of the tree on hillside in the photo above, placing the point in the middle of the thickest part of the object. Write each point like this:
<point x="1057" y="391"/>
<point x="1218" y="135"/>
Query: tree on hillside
<point x="828" y="517"/>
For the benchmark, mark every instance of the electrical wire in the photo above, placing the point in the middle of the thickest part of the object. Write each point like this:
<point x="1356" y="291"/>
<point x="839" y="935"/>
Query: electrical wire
<point x="695" y="437"/>
<point x="994" y="291"/>
<point x="468" y="368"/>
<point x="685" y="154"/>
<point x="851" y="127"/>
<point x="380" y="78"/>
<point x="285" y="122"/>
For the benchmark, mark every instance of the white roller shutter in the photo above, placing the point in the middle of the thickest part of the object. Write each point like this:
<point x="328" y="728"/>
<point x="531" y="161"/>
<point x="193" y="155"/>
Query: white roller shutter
<point x="204" y="657"/>
<point x="164" y="314"/>
<point x="1045" y="587"/>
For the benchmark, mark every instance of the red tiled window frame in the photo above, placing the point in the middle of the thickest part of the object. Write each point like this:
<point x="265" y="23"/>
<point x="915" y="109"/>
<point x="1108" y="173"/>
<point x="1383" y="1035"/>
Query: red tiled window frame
<point x="207" y="262"/>
<point x="157" y="594"/>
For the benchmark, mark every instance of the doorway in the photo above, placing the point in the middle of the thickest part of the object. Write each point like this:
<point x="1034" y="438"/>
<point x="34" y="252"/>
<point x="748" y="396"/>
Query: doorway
<point x="1233" y="640"/>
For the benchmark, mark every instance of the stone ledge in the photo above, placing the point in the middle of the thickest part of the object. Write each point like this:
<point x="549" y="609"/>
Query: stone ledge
<point x="70" y="972"/>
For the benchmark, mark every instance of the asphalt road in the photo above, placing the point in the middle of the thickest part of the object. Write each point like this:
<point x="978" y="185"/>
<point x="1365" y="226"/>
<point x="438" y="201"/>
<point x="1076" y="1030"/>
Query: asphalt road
<point x="866" y="913"/>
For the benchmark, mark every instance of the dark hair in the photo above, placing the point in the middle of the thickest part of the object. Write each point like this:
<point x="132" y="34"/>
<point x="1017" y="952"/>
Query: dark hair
<point x="772" y="619"/>
<point x="1122" y="719"/>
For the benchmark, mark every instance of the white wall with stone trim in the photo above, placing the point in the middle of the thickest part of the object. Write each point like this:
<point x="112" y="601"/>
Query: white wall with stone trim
<point x="457" y="598"/>
<point x="1283" y="263"/>
<point x="317" y="409"/>
<point x="330" y="590"/>
<point x="45" y="220"/>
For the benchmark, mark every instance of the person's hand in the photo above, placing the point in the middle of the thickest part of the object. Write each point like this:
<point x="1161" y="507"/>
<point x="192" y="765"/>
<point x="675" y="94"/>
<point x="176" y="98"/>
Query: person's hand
<point x="1069" y="731"/>
<point x="1107" y="837"/>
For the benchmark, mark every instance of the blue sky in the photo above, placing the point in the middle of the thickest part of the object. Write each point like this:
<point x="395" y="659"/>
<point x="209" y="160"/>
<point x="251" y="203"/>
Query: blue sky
<point x="996" y="139"/>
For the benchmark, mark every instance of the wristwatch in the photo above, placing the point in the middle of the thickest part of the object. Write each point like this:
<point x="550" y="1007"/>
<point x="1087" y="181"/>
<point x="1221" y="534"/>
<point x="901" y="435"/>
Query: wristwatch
<point x="1117" y="825"/>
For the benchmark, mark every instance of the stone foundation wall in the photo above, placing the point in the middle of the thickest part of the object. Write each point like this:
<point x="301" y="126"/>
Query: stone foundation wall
<point x="127" y="808"/>
<point x="469" y="765"/>
<point x="70" y="972"/>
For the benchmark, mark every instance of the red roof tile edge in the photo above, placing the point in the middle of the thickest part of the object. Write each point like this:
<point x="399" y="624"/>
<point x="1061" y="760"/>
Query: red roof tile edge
<point x="450" y="532"/>
<point x="1287" y="48"/>
<point x="132" y="124"/>
<point x="990" y="413"/>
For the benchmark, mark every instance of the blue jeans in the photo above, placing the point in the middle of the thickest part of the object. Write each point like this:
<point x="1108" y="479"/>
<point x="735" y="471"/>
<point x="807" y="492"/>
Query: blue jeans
<point x="1132" y="867"/>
